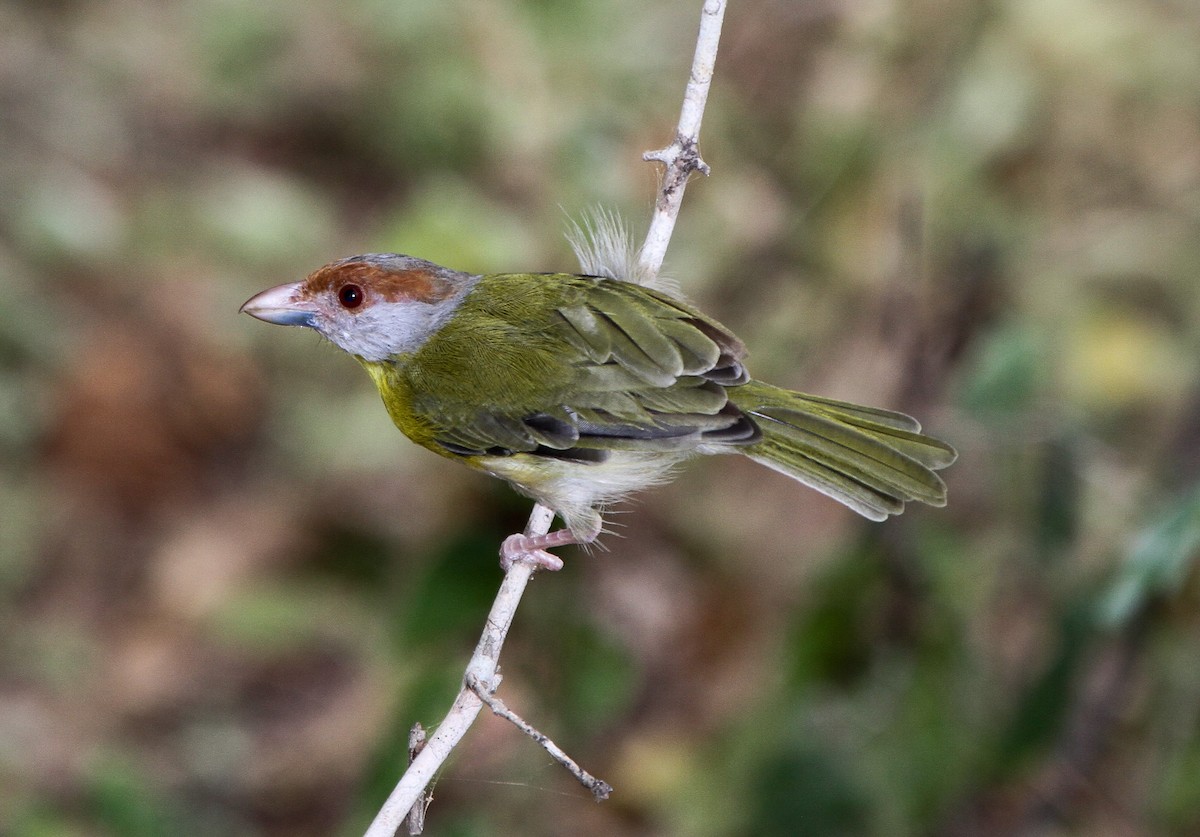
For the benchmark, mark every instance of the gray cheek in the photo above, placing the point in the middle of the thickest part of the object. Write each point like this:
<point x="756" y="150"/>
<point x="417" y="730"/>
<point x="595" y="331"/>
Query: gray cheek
<point x="346" y="333"/>
<point x="365" y="343"/>
<point x="383" y="331"/>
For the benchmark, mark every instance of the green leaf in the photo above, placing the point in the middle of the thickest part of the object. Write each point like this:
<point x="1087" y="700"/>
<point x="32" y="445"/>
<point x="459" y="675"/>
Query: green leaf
<point x="807" y="785"/>
<point x="1005" y="373"/>
<point x="1158" y="561"/>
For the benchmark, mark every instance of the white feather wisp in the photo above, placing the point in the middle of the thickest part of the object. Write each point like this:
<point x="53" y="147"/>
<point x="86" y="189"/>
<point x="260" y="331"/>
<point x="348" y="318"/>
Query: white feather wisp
<point x="603" y="244"/>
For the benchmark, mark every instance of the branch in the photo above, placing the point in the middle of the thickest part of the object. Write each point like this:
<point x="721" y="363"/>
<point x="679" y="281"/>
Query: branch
<point x="599" y="788"/>
<point x="680" y="158"/>
<point x="410" y="790"/>
<point x="416" y="815"/>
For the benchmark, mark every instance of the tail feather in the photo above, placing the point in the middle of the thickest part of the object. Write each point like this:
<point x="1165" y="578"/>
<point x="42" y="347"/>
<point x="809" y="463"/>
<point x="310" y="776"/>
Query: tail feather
<point x="872" y="460"/>
<point x="896" y="429"/>
<point x="860" y="456"/>
<point x="850" y="413"/>
<point x="863" y="499"/>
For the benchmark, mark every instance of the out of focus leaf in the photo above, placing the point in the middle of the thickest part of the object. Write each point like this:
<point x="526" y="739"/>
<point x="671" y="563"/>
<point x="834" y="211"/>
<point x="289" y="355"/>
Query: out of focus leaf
<point x="1042" y="708"/>
<point x="1158" y="560"/>
<point x="259" y="215"/>
<point x="279" y="618"/>
<point x="806" y="791"/>
<point x="832" y="643"/>
<point x="37" y="819"/>
<point x="452" y="599"/>
<point x="434" y="221"/>
<point x="126" y="801"/>
<point x="600" y="677"/>
<point x="1004" y="375"/>
<point x="1117" y="358"/>
<point x="72" y="215"/>
<point x="1058" y="504"/>
<point x="1180" y="790"/>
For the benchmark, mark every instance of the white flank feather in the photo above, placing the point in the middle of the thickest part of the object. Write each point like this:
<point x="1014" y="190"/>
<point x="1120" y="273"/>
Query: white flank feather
<point x="576" y="492"/>
<point x="603" y="243"/>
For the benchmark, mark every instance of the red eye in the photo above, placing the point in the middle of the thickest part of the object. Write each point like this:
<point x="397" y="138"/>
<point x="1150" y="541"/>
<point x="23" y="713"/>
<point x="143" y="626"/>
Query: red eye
<point x="351" y="296"/>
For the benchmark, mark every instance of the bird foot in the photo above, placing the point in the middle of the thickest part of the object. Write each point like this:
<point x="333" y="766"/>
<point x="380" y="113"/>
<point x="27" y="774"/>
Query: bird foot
<point x="532" y="548"/>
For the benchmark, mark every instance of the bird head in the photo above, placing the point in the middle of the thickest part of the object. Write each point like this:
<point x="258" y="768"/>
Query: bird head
<point x="374" y="306"/>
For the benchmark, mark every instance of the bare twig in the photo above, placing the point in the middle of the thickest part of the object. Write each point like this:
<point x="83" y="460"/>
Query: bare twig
<point x="416" y="815"/>
<point x="467" y="705"/>
<point x="599" y="788"/>
<point x="681" y="158"/>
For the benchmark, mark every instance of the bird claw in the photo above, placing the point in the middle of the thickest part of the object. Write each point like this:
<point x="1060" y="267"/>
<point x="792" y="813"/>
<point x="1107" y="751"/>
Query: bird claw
<point x="526" y="548"/>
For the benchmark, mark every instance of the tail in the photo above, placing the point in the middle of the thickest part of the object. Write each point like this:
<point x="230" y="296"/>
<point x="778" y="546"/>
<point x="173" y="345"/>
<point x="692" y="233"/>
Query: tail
<point x="872" y="460"/>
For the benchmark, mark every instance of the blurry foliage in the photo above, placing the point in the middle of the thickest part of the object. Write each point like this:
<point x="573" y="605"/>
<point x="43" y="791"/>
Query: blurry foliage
<point x="228" y="586"/>
<point x="1158" y="563"/>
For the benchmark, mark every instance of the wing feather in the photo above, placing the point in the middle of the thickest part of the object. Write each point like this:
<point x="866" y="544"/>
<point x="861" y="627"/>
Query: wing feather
<point x="647" y="372"/>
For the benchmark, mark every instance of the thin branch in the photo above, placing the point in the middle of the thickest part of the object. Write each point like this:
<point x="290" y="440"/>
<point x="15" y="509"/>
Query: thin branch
<point x="416" y="815"/>
<point x="598" y="787"/>
<point x="681" y="158"/>
<point x="467" y="705"/>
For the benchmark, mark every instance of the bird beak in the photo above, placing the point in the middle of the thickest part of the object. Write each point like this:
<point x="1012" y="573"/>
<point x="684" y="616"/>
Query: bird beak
<point x="282" y="305"/>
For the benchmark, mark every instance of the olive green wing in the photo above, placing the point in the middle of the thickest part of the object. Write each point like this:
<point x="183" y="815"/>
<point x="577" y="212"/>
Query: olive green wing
<point x="624" y="368"/>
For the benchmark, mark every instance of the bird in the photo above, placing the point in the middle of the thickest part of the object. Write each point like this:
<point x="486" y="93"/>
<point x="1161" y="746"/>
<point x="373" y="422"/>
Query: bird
<point x="579" y="390"/>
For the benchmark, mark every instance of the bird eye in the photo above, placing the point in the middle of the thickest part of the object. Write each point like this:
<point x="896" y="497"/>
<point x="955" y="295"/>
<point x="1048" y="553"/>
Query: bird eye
<point x="351" y="296"/>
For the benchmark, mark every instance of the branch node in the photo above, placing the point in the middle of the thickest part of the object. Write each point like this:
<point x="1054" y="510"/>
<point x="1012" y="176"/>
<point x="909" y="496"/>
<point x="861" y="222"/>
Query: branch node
<point x="681" y="158"/>
<point x="666" y="156"/>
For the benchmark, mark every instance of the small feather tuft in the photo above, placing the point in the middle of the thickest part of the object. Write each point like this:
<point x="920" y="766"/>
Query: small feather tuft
<point x="603" y="243"/>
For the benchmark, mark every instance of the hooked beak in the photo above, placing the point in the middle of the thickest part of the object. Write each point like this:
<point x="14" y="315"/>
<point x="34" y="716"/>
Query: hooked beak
<point x="281" y="305"/>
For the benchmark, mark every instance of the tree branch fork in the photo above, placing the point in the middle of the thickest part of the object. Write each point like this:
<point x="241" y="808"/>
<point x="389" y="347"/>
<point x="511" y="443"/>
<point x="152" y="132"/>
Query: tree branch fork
<point x="680" y="159"/>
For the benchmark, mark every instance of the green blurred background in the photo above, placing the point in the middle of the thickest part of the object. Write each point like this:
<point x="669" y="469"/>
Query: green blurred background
<point x="228" y="585"/>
